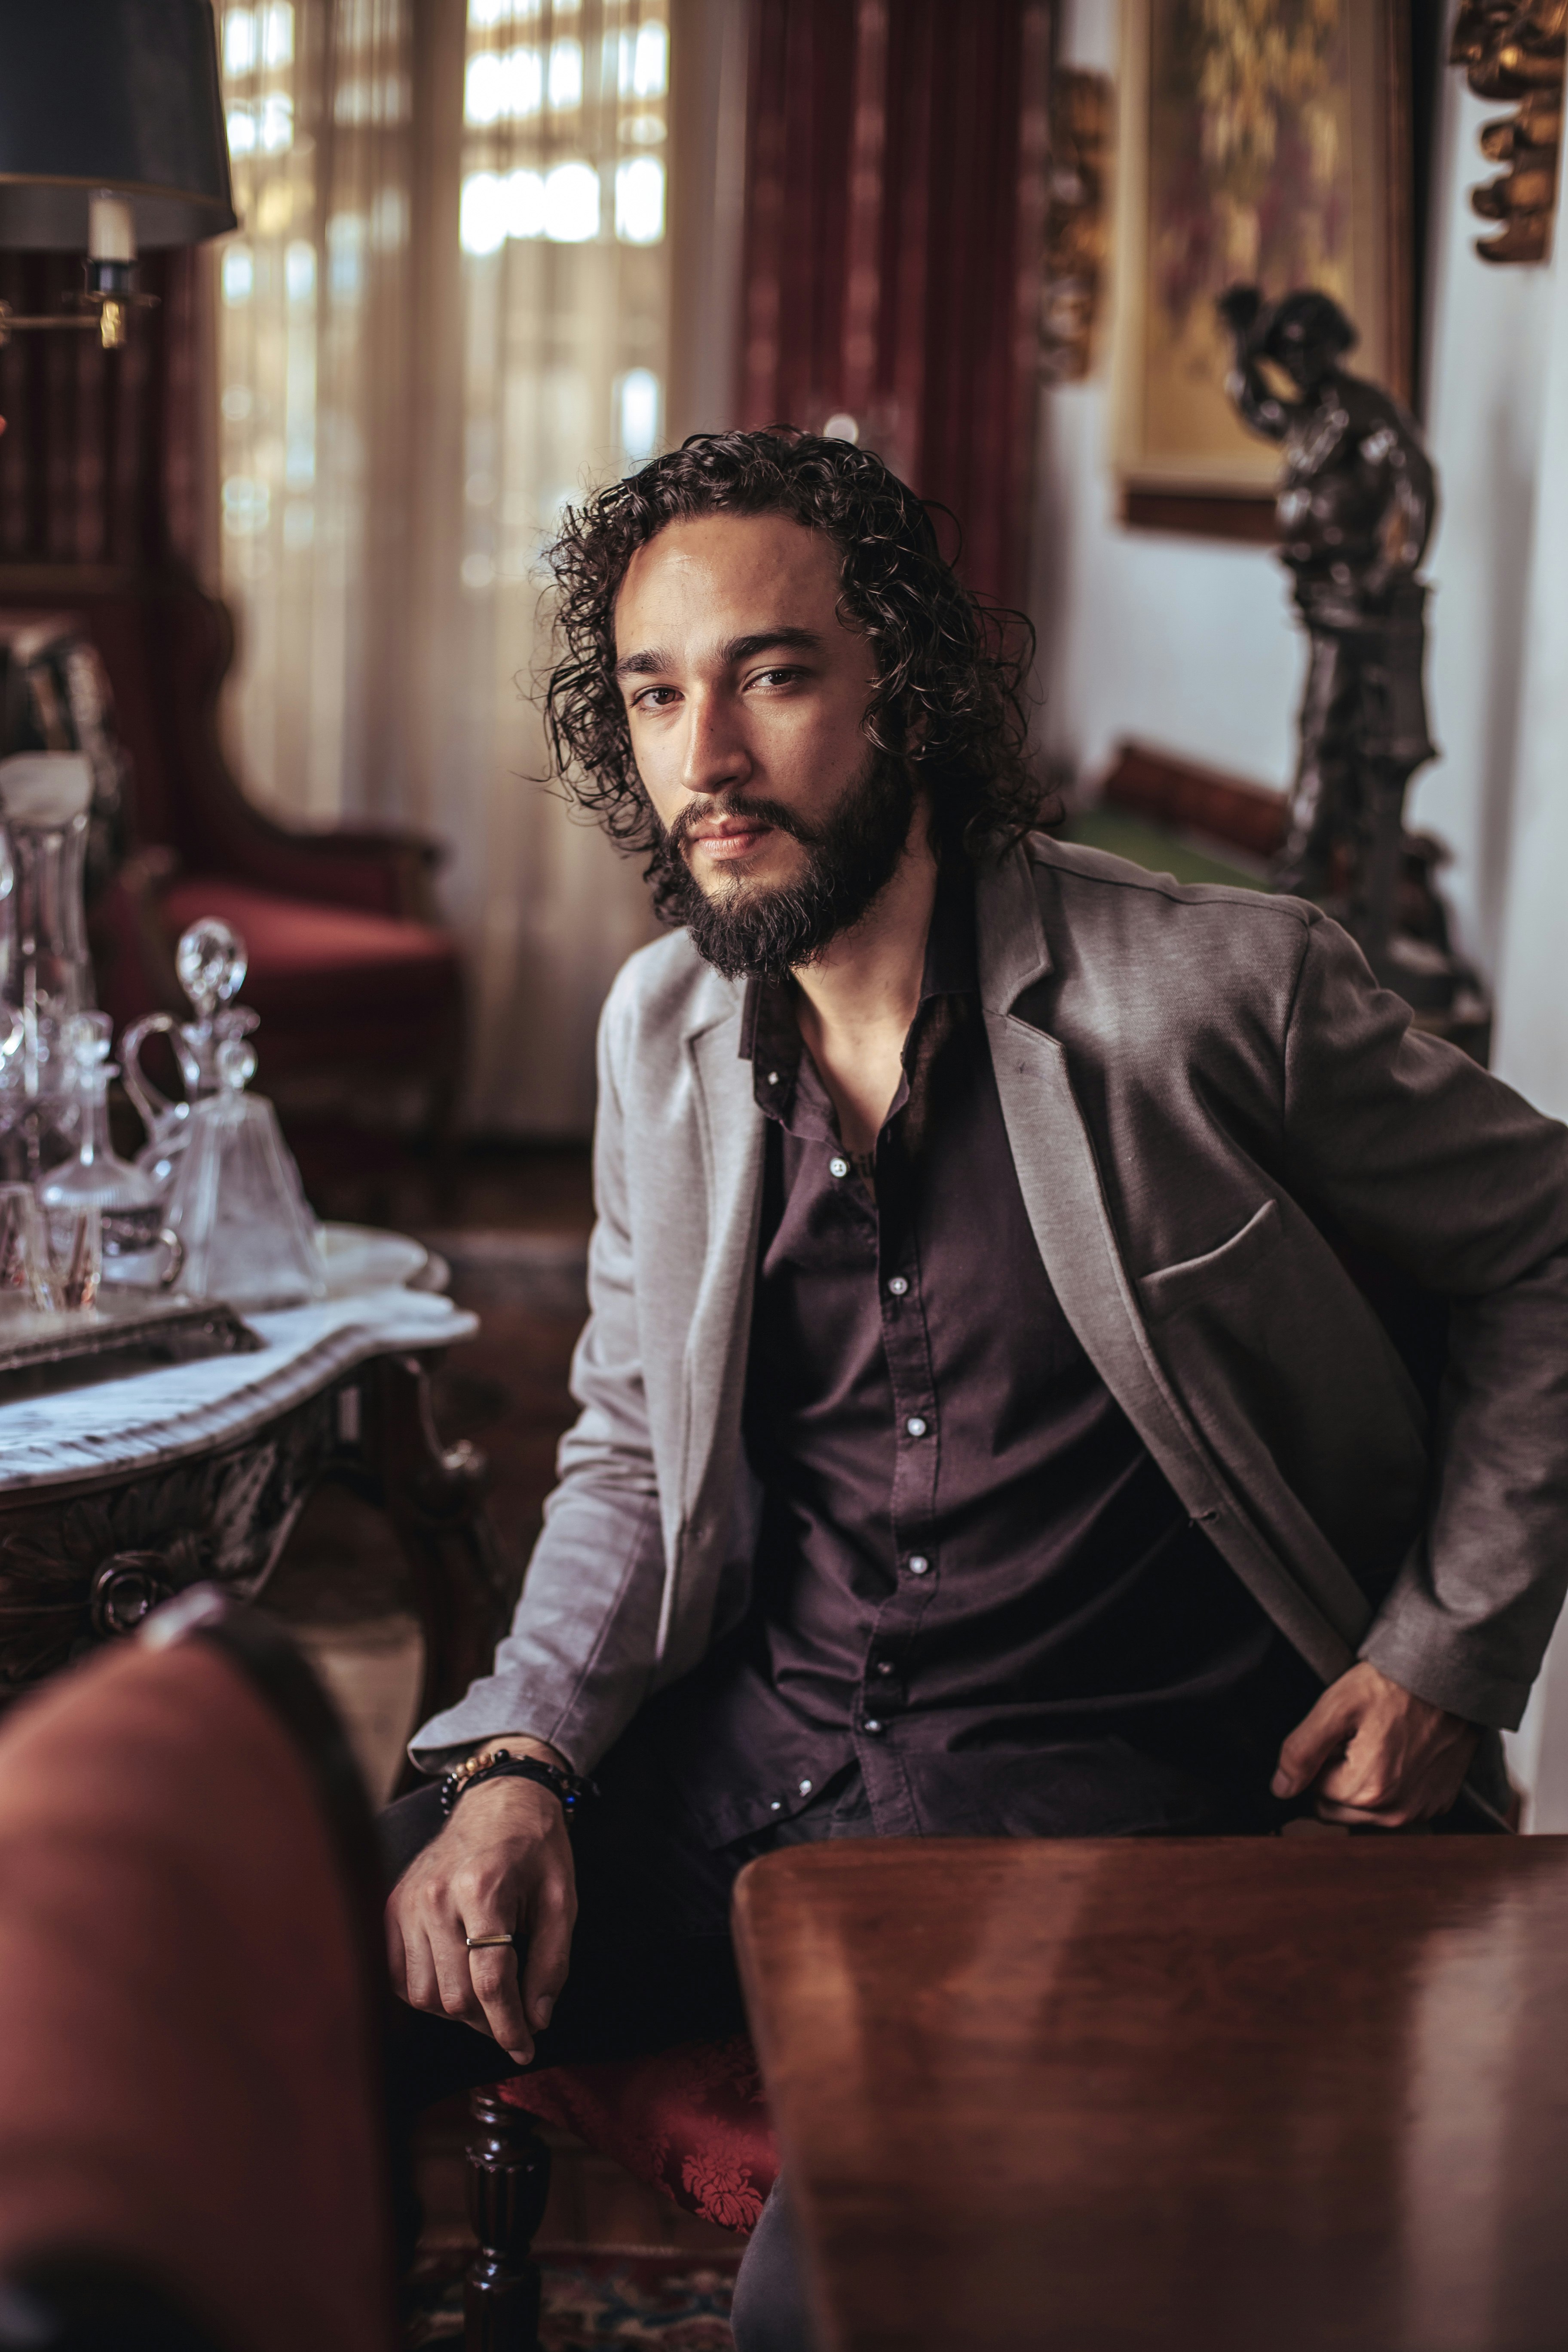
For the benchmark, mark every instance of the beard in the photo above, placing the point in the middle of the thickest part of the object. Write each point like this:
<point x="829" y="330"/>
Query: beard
<point x="748" y="931"/>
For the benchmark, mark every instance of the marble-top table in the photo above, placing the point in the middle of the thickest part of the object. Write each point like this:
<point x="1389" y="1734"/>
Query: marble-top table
<point x="119" y="1493"/>
<point x="149" y="1418"/>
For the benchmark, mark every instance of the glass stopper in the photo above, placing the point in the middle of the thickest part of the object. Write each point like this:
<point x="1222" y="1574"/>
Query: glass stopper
<point x="211" y="962"/>
<point x="88" y="1038"/>
<point x="236" y="1060"/>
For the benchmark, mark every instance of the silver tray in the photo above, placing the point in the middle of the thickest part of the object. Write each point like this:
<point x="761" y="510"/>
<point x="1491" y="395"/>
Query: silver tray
<point x="158" y="1330"/>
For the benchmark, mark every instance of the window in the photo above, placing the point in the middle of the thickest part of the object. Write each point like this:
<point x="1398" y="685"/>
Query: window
<point x="406" y="398"/>
<point x="562" y="225"/>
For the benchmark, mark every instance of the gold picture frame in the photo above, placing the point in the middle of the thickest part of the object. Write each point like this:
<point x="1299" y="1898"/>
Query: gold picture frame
<point x="1265" y="140"/>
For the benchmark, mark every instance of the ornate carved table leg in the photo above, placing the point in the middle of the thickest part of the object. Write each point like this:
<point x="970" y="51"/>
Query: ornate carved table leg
<point x="508" y="2183"/>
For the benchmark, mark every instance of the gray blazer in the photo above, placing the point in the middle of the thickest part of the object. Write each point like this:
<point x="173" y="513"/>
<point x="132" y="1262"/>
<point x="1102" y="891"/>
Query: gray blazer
<point x="1187" y="1075"/>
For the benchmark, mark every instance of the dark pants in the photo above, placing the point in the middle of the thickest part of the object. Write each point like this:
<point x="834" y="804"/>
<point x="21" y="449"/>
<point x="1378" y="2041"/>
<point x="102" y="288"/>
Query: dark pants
<point x="652" y="1963"/>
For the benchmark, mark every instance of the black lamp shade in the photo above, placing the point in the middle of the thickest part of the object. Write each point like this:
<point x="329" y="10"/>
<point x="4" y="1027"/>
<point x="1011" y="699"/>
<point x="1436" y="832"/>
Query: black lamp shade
<point x="120" y="95"/>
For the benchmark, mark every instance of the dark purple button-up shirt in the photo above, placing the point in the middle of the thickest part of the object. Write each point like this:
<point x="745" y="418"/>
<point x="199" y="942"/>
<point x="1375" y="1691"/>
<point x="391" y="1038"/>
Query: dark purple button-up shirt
<point x="972" y="1580"/>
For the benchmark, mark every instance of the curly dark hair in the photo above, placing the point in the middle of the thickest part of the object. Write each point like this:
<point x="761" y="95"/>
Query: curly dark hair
<point x="950" y="671"/>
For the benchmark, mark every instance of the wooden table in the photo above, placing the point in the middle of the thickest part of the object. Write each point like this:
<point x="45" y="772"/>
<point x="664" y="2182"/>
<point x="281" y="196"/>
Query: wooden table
<point x="1307" y="2095"/>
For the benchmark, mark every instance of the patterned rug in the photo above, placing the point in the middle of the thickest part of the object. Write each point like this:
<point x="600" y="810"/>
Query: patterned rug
<point x="644" y="2302"/>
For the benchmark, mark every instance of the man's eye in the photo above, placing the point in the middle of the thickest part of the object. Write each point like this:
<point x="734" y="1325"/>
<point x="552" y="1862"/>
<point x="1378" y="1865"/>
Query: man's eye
<point x="650" y="697"/>
<point x="778" y="676"/>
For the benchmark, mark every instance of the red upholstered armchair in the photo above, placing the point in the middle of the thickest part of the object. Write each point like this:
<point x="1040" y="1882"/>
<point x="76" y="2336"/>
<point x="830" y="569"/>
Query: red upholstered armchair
<point x="359" y="989"/>
<point x="192" y="2138"/>
<point x="692" y="2122"/>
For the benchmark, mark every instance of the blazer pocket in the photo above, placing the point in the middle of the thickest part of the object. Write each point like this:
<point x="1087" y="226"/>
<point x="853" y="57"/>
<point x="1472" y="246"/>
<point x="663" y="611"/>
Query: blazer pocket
<point x="1172" y="1287"/>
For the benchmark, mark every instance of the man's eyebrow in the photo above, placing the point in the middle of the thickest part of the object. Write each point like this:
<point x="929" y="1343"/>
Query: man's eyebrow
<point x="785" y="640"/>
<point x="649" y="660"/>
<point x="642" y="664"/>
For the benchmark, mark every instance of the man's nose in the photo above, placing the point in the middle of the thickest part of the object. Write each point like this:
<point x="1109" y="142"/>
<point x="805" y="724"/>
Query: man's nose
<point x="716" y="760"/>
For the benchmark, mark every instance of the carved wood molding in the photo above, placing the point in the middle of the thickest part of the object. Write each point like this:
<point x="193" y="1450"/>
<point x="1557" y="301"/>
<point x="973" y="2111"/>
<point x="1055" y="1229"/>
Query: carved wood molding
<point x="1515" y="53"/>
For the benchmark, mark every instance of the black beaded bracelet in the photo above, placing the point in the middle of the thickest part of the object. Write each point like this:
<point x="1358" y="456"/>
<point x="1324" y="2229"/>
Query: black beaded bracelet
<point x="569" y="1788"/>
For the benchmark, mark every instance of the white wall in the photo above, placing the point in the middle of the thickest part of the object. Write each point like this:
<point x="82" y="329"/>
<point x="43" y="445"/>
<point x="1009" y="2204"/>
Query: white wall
<point x="1486" y="408"/>
<point x="1187" y="642"/>
<point x="1192" y="644"/>
<point x="1525" y="815"/>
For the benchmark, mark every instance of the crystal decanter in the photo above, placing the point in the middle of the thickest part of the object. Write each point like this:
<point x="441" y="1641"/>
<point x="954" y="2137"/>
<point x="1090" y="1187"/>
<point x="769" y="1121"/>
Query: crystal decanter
<point x="211" y="963"/>
<point x="237" y="1209"/>
<point x="137" y="1247"/>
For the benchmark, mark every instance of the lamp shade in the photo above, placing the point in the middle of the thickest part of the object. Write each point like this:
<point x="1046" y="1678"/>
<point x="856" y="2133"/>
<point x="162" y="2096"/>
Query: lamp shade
<point x="110" y="94"/>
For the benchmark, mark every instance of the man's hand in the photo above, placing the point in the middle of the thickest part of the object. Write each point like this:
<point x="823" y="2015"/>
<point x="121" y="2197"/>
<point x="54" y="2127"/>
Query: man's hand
<point x="502" y="1865"/>
<point x="1371" y="1753"/>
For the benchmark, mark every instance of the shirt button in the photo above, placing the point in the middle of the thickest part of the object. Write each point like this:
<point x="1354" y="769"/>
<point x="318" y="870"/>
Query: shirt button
<point x="884" y="1666"/>
<point x="806" y="1787"/>
<point x="777" y="1805"/>
<point x="872" y="1725"/>
<point x="897" y="1288"/>
<point x="773" y="1078"/>
<point x="918" y="1563"/>
<point x="839" y="1168"/>
<point x="915" y="1426"/>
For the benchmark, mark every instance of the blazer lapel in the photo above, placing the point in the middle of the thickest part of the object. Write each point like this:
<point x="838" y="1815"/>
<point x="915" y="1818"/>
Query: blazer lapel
<point x="1059" y="1177"/>
<point x="1054" y="1157"/>
<point x="713" y="1368"/>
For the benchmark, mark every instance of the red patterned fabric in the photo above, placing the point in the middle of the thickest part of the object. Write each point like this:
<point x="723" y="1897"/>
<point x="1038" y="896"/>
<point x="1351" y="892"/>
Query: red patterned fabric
<point x="692" y="2122"/>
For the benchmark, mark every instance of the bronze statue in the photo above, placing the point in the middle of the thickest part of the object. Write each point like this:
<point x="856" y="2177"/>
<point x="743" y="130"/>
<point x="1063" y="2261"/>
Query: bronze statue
<point x="1356" y="508"/>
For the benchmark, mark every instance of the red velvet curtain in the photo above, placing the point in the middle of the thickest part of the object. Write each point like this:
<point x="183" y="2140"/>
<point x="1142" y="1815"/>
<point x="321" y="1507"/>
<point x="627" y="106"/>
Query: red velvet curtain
<point x="895" y="207"/>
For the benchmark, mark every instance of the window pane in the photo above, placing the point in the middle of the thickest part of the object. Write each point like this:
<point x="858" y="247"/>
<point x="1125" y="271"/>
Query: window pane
<point x="571" y="203"/>
<point x="566" y="75"/>
<point x="639" y="201"/>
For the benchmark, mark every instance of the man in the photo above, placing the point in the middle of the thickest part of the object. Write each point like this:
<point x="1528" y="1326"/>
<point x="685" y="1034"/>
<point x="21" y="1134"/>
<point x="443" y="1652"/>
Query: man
<point x="981" y="1430"/>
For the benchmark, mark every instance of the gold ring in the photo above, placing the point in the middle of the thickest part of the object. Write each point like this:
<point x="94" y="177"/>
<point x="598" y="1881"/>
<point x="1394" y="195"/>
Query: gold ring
<point x="482" y="1943"/>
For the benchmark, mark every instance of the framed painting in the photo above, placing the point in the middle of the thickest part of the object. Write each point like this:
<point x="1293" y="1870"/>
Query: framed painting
<point x="1264" y="141"/>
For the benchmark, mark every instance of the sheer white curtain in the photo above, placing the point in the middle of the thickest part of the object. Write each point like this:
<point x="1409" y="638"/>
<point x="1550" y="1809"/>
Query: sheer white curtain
<point x="447" y="313"/>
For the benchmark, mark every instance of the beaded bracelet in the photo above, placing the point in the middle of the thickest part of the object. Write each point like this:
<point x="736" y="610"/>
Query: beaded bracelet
<point x="568" y="1787"/>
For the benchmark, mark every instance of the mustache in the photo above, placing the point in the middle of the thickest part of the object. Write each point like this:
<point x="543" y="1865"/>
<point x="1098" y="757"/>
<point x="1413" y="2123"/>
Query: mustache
<point x="765" y="811"/>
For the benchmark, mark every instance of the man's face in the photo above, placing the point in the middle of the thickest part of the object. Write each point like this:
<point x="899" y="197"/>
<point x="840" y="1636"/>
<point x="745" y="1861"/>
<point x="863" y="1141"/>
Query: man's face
<point x="742" y="687"/>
